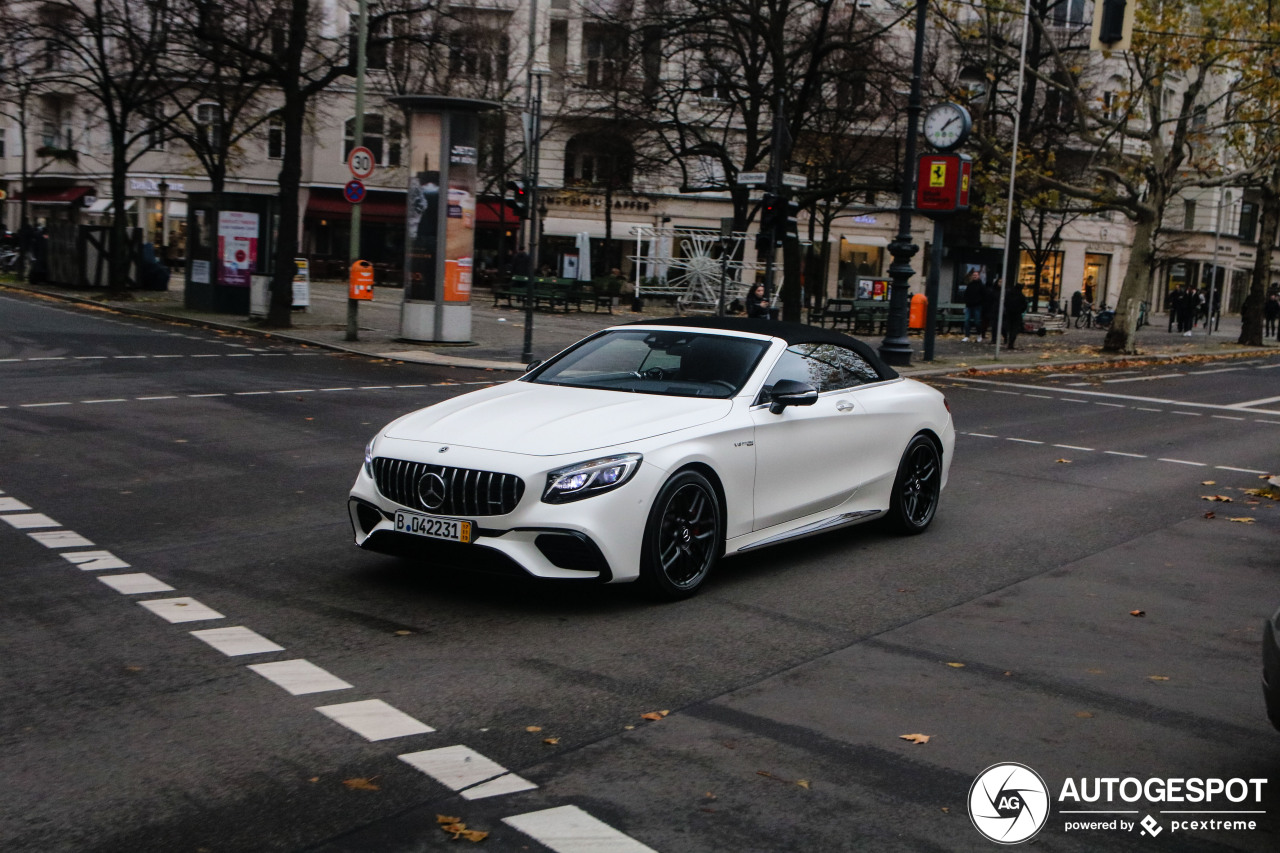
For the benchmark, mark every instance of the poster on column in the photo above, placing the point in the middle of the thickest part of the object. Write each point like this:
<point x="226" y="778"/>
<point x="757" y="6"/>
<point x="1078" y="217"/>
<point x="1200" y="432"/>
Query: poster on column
<point x="423" y="216"/>
<point x="460" y="219"/>
<point x="237" y="246"/>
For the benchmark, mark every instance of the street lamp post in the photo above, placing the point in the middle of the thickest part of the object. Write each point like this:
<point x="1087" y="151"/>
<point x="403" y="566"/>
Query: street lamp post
<point x="164" y="220"/>
<point x="536" y="208"/>
<point x="895" y="349"/>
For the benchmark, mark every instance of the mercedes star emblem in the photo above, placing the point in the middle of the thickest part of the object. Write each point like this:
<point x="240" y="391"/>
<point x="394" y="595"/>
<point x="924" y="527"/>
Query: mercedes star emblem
<point x="431" y="491"/>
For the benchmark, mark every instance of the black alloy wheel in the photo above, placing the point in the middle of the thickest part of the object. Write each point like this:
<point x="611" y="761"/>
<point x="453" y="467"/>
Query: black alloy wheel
<point x="682" y="539"/>
<point x="917" y="488"/>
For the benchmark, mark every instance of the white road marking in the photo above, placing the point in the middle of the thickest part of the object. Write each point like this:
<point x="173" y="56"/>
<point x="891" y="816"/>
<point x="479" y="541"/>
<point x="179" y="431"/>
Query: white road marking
<point x="1146" y="378"/>
<point x="374" y="719"/>
<point x="177" y="610"/>
<point x="1181" y="462"/>
<point x="1226" y="418"/>
<point x="1240" y="470"/>
<point x="1189" y="414"/>
<point x="508" y="783"/>
<point x="134" y="584"/>
<point x="1136" y="399"/>
<point x="1218" y="370"/>
<point x="1129" y="455"/>
<point x="980" y="435"/>
<point x="41" y="405"/>
<point x="1026" y="441"/>
<point x="30" y="520"/>
<point x="459" y="767"/>
<point x="1144" y="409"/>
<point x="60" y="539"/>
<point x="1263" y="402"/>
<point x="1041" y="396"/>
<point x="299" y="677"/>
<point x="237" y="641"/>
<point x="12" y="505"/>
<point x="164" y="397"/>
<point x="207" y="395"/>
<point x="1112" y="405"/>
<point x="569" y="829"/>
<point x="1074" y="447"/>
<point x="93" y="561"/>
<point x="112" y="400"/>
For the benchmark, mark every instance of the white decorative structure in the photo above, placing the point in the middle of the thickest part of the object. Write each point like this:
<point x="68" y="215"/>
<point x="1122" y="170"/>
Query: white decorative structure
<point x="686" y="264"/>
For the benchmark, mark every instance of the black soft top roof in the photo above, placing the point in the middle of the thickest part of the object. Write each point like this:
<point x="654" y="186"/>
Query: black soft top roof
<point x="792" y="333"/>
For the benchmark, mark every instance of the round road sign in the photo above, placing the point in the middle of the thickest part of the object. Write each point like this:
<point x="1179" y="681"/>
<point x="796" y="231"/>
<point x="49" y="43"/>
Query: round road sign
<point x="353" y="192"/>
<point x="361" y="163"/>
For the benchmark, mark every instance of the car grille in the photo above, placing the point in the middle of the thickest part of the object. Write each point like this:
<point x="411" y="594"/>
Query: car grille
<point x="466" y="492"/>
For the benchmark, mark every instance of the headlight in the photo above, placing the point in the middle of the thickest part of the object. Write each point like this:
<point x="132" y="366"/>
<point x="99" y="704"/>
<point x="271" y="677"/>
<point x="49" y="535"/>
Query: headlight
<point x="590" y="478"/>
<point x="368" y="456"/>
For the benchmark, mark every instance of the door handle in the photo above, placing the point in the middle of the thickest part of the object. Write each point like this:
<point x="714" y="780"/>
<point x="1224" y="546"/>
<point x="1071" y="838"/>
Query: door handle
<point x="844" y="406"/>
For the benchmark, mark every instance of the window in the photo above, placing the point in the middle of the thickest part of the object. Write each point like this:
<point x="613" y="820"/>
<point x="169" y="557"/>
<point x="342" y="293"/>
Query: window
<point x="827" y="367"/>
<point x="375" y="45"/>
<point x="275" y="138"/>
<point x="1067" y="13"/>
<point x="385" y="146"/>
<point x="153" y="129"/>
<point x="716" y="83"/>
<point x="209" y="125"/>
<point x="1248" y="221"/>
<point x="480" y="52"/>
<point x="603" y="50"/>
<point x="3" y="154"/>
<point x="1189" y="215"/>
<point x="55" y="129"/>
<point x="598" y="161"/>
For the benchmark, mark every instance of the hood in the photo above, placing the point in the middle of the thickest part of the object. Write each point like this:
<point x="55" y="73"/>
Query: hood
<point x="551" y="420"/>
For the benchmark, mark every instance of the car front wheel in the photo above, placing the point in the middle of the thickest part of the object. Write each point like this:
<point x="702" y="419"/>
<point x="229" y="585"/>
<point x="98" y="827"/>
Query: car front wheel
<point x="682" y="537"/>
<point x="917" y="487"/>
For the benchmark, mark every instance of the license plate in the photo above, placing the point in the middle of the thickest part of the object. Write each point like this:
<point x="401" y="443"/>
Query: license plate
<point x="449" y="529"/>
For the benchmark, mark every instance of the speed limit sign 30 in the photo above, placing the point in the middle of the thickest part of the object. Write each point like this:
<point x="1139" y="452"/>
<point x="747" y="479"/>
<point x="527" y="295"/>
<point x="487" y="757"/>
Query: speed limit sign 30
<point x="360" y="162"/>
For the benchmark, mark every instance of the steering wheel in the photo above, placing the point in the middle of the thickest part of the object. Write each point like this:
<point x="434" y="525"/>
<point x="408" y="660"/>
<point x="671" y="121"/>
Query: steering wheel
<point x="655" y="373"/>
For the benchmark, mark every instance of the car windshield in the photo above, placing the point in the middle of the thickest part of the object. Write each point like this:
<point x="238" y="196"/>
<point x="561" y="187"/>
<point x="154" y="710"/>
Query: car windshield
<point x="679" y="363"/>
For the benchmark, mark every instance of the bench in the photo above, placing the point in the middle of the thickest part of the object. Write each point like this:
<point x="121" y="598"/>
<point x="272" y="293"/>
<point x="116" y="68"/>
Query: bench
<point x="836" y="310"/>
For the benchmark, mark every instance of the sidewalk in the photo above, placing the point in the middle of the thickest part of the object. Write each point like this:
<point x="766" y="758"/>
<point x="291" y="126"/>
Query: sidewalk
<point x="498" y="333"/>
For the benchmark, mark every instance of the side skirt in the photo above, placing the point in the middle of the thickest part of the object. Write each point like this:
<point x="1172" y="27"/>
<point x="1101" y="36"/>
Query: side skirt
<point x="812" y="528"/>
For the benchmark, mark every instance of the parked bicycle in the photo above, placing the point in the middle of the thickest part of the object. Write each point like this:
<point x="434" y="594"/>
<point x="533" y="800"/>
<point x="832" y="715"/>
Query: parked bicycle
<point x="1084" y="320"/>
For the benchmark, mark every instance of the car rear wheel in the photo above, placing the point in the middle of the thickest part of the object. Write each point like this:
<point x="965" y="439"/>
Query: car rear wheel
<point x="917" y="487"/>
<point x="682" y="537"/>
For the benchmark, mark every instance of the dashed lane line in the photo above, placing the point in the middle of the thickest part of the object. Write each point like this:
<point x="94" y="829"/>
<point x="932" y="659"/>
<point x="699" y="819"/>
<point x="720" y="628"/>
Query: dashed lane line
<point x="1234" y="407"/>
<point x="153" y="397"/>
<point x="1125" y="454"/>
<point x="564" y="829"/>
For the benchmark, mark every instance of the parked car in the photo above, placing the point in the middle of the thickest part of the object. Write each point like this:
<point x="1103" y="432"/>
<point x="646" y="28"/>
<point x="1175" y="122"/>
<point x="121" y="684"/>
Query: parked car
<point x="650" y="450"/>
<point x="1271" y="667"/>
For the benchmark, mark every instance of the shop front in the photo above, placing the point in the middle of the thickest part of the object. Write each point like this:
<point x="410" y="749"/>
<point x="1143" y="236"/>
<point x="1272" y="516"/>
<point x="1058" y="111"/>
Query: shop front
<point x="327" y="234"/>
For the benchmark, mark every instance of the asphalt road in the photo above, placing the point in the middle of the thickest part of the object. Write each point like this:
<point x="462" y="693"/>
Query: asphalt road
<point x="218" y="465"/>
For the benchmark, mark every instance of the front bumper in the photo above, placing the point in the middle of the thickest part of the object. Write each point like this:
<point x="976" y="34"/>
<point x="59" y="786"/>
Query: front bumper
<point x="596" y="538"/>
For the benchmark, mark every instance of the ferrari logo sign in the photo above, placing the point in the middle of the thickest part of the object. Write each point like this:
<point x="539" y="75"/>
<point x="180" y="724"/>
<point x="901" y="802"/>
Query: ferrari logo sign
<point x="942" y="183"/>
<point x="938" y="175"/>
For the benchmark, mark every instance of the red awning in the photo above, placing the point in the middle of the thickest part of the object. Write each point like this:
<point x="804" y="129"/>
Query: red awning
<point x="55" y="195"/>
<point x="378" y="205"/>
<point x="493" y="213"/>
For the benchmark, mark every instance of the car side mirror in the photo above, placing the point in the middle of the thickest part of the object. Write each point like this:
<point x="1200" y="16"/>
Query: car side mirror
<point x="789" y="392"/>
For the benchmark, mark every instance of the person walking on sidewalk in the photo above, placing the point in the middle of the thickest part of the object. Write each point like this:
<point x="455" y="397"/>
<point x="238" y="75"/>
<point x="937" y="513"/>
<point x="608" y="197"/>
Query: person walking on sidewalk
<point x="973" y="297"/>
<point x="1014" y="306"/>
<point x="1271" y="314"/>
<point x="990" y="308"/>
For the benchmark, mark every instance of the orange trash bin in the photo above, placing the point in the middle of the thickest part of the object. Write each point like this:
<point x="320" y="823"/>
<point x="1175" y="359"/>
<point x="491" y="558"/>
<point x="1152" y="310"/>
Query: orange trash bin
<point x="361" y="281"/>
<point x="919" y="311"/>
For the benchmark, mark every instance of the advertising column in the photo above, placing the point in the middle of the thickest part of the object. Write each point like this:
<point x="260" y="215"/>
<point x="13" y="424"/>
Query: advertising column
<point x="440" y="218"/>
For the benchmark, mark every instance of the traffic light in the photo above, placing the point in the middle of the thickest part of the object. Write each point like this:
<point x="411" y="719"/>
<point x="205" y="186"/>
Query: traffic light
<point x="790" y="228"/>
<point x="770" y="219"/>
<point x="519" y="201"/>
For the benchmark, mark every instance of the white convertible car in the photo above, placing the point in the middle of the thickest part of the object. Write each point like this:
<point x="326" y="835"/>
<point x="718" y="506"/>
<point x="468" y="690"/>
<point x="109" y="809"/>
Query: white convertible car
<point x="649" y="451"/>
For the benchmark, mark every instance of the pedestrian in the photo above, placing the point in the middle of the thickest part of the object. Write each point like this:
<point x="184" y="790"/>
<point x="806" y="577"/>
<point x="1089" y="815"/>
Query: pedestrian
<point x="1188" y="306"/>
<point x="1015" y="303"/>
<point x="758" y="303"/>
<point x="973" y="297"/>
<point x="990" y="308"/>
<point x="1077" y="299"/>
<point x="1171" y="305"/>
<point x="1271" y="314"/>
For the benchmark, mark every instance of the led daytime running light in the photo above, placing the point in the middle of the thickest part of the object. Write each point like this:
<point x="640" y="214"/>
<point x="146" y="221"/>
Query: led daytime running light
<point x="590" y="478"/>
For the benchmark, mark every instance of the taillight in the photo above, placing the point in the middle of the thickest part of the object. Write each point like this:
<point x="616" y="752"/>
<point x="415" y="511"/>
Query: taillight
<point x="947" y="403"/>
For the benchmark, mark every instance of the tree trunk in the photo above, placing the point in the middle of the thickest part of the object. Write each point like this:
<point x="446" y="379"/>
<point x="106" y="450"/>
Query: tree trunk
<point x="118" y="242"/>
<point x="280" y="312"/>
<point x="1251" y="311"/>
<point x="1121" y="336"/>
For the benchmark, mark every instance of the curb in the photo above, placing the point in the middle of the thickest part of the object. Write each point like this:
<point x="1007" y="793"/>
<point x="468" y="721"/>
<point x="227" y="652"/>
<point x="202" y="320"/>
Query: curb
<point x="485" y="364"/>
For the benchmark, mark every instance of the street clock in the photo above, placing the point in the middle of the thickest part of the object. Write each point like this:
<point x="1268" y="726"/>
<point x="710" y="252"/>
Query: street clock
<point x="947" y="126"/>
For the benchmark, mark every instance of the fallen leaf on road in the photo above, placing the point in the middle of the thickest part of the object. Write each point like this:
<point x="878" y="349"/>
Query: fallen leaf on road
<point x="1158" y="677"/>
<point x="1137" y="613"/>
<point x="955" y="664"/>
<point x="803" y="783"/>
<point x="533" y="728"/>
<point x="654" y="715"/>
<point x="360" y="784"/>
<point x="1243" y="519"/>
<point x="946" y="810"/>
<point x="403" y="633"/>
<point x="1084" y="715"/>
<point x="551" y="740"/>
<point x="1209" y="514"/>
<point x="1064" y="461"/>
<point x="1208" y="482"/>
<point x="1223" y="498"/>
<point x="916" y="738"/>
<point x="444" y="819"/>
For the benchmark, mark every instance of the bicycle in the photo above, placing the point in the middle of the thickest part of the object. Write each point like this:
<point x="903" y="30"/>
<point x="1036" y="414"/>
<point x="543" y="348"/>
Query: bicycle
<point x="1084" y="320"/>
<point x="9" y="259"/>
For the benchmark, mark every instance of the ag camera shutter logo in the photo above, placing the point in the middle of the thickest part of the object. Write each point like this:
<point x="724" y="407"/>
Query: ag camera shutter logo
<point x="1009" y="803"/>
